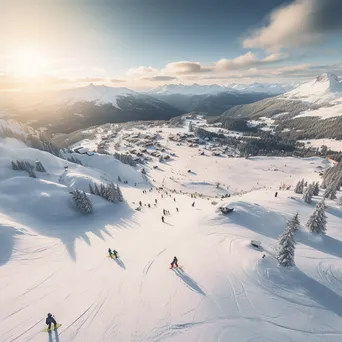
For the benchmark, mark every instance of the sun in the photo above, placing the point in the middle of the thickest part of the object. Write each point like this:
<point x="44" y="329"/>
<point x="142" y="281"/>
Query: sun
<point x="28" y="62"/>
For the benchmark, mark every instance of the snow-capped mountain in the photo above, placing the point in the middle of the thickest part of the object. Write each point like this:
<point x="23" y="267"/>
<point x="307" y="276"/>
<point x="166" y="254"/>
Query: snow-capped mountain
<point x="269" y="88"/>
<point x="183" y="89"/>
<point x="100" y="94"/>
<point x="326" y="87"/>
<point x="197" y="89"/>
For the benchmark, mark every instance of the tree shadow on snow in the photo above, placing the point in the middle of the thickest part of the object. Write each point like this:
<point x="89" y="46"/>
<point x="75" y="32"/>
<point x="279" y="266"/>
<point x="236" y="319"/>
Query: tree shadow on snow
<point x="334" y="211"/>
<point x="324" y="243"/>
<point x="189" y="281"/>
<point x="6" y="243"/>
<point x="256" y="218"/>
<point x="320" y="293"/>
<point x="70" y="228"/>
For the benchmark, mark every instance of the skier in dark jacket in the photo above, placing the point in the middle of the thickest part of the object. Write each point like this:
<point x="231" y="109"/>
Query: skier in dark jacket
<point x="276" y="194"/>
<point x="193" y="204"/>
<point x="115" y="253"/>
<point x="49" y="320"/>
<point x="110" y="252"/>
<point x="174" y="262"/>
<point x="163" y="219"/>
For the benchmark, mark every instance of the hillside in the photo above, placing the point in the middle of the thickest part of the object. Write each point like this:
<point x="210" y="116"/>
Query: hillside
<point x="311" y="111"/>
<point x="54" y="259"/>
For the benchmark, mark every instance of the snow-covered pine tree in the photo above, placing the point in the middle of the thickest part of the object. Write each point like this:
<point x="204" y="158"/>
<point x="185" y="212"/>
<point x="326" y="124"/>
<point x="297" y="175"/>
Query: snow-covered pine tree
<point x="330" y="191"/>
<point x="339" y="202"/>
<point x="40" y="167"/>
<point x="318" y="220"/>
<point x="307" y="195"/>
<point x="82" y="201"/>
<point x="316" y="189"/>
<point x="14" y="166"/>
<point x="302" y="182"/>
<point x="306" y="183"/>
<point x="91" y="189"/>
<point x="191" y="128"/>
<point x="298" y="188"/>
<point x="286" y="245"/>
<point x="97" y="190"/>
<point x="120" y="196"/>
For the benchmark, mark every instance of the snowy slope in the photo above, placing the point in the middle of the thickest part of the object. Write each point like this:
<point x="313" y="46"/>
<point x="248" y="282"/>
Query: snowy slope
<point x="269" y="88"/>
<point x="325" y="88"/>
<point x="52" y="259"/>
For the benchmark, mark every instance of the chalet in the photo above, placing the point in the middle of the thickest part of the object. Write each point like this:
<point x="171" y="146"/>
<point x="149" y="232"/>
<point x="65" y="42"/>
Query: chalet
<point x="83" y="150"/>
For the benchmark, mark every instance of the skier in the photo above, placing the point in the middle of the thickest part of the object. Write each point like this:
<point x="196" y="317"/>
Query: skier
<point x="177" y="209"/>
<point x="149" y="205"/>
<point x="50" y="319"/>
<point x="110" y="252"/>
<point x="163" y="219"/>
<point x="193" y="204"/>
<point x="115" y="253"/>
<point x="164" y="211"/>
<point x="174" y="262"/>
<point x="276" y="194"/>
<point x="174" y="199"/>
<point x="140" y="203"/>
<point x="156" y="201"/>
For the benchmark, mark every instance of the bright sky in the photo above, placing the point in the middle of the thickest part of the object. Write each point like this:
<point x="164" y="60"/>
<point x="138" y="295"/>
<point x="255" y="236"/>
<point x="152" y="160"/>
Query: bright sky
<point x="145" y="43"/>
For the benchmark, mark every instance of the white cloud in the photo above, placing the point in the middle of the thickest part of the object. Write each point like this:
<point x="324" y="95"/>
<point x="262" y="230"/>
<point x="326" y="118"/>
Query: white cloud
<point x="302" y="22"/>
<point x="142" y="70"/>
<point x="248" y="60"/>
<point x="185" y="67"/>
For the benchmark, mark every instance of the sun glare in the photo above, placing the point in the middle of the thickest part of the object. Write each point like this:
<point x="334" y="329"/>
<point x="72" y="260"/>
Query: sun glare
<point x="28" y="62"/>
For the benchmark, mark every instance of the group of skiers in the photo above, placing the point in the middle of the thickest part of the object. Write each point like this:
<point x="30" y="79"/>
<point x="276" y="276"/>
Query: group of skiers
<point x="114" y="253"/>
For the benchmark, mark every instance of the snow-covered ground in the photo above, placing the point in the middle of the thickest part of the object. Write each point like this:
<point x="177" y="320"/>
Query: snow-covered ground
<point x="335" y="145"/>
<point x="54" y="259"/>
<point x="323" y="112"/>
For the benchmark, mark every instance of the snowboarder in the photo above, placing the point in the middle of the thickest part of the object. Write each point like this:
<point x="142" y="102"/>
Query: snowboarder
<point x="50" y="319"/>
<point x="193" y="204"/>
<point x="163" y="219"/>
<point x="276" y="194"/>
<point x="110" y="252"/>
<point x="174" y="262"/>
<point x="115" y="253"/>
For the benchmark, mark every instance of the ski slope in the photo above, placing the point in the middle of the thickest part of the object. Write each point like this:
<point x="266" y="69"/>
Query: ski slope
<point x="53" y="259"/>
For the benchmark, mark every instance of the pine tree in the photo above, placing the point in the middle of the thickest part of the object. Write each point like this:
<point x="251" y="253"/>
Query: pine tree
<point x="316" y="189"/>
<point x="91" y="189"/>
<point x="286" y="247"/>
<point x="82" y="201"/>
<point x="308" y="193"/>
<point x="191" y="128"/>
<point x="340" y="201"/>
<point x="330" y="191"/>
<point x="40" y="167"/>
<point x="306" y="183"/>
<point x="14" y="166"/>
<point x="96" y="190"/>
<point x="120" y="196"/>
<point x="318" y="220"/>
<point x="298" y="189"/>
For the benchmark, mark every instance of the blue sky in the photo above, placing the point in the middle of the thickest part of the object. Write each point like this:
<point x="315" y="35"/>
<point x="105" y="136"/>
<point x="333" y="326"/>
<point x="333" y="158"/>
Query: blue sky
<point x="143" y="43"/>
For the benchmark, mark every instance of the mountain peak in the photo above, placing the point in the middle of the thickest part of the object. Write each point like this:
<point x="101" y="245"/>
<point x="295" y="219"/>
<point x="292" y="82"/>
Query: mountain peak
<point x="327" y="77"/>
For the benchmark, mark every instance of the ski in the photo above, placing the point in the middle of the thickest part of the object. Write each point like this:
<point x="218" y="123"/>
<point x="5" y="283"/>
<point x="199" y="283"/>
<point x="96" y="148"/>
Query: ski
<point x="52" y="328"/>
